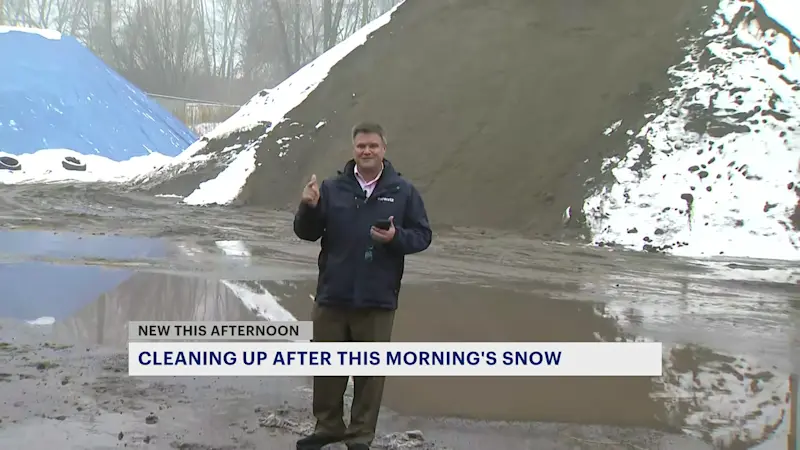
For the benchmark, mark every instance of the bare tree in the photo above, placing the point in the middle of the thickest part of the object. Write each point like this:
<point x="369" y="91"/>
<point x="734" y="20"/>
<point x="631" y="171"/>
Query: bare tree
<point x="60" y="15"/>
<point x="365" y="8"/>
<point x="99" y="28"/>
<point x="162" y="40"/>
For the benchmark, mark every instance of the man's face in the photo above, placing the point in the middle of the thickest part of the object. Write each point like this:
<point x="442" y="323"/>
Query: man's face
<point x="368" y="151"/>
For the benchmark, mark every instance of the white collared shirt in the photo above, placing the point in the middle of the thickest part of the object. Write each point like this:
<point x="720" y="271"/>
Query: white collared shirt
<point x="367" y="186"/>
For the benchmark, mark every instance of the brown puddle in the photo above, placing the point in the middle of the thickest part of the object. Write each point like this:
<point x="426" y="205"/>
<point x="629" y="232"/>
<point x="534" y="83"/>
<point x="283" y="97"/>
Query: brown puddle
<point x="428" y="312"/>
<point x="450" y="312"/>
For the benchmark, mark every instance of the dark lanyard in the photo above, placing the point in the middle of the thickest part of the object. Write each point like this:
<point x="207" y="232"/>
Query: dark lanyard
<point x="371" y="247"/>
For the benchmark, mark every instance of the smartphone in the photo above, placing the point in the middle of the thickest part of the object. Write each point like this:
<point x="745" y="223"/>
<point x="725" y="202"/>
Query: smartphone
<point x="383" y="224"/>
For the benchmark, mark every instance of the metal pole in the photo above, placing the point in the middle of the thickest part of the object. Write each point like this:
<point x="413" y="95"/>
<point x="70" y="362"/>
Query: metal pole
<point x="188" y="100"/>
<point x="794" y="423"/>
<point x="794" y="378"/>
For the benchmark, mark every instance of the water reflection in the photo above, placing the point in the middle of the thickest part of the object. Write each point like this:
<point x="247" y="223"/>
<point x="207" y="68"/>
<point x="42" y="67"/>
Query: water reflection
<point x="147" y="296"/>
<point x="726" y="359"/>
<point x="727" y="354"/>
<point x="32" y="289"/>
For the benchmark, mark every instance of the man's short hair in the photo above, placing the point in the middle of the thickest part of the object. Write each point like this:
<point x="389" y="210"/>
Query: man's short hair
<point x="369" y="128"/>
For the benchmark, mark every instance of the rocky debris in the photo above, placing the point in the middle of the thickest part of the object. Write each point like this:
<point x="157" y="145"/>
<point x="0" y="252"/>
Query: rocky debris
<point x="298" y="422"/>
<point x="403" y="440"/>
<point x="194" y="446"/>
<point x="45" y="365"/>
<point x="286" y="418"/>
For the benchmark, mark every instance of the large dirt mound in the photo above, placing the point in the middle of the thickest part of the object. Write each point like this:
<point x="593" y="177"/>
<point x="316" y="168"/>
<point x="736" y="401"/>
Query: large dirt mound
<point x="495" y="109"/>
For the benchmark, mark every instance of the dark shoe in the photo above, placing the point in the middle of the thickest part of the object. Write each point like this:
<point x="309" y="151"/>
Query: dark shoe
<point x="357" y="446"/>
<point x="317" y="441"/>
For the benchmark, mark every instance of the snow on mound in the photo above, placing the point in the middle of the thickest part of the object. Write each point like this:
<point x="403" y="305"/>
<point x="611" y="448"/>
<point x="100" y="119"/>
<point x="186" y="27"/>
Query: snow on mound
<point x="203" y="129"/>
<point x="267" y="107"/>
<point x="59" y="165"/>
<point x="47" y="34"/>
<point x="56" y="93"/>
<point x="786" y="13"/>
<point x="716" y="172"/>
<point x="45" y="320"/>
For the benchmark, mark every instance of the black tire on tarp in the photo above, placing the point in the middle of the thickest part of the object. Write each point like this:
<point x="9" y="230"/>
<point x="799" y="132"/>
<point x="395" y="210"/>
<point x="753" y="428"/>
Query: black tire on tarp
<point x="9" y="163"/>
<point x="73" y="163"/>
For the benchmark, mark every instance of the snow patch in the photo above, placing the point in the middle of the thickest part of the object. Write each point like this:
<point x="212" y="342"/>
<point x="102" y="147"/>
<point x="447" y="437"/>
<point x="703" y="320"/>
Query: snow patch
<point x="47" y="34"/>
<point x="234" y="248"/>
<point x="45" y="166"/>
<point x="227" y="185"/>
<point x="204" y="128"/>
<point x="769" y="272"/>
<point x="270" y="109"/>
<point x="608" y="131"/>
<point x="723" y="154"/>
<point x="786" y="13"/>
<point x="168" y="195"/>
<point x="181" y="164"/>
<point x="42" y="321"/>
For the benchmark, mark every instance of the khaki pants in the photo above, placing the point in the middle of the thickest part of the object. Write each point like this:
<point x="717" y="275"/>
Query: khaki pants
<point x="332" y="324"/>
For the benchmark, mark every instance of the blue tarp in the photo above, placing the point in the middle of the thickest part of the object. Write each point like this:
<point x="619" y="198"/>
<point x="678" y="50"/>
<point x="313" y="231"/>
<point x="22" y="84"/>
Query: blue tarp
<point x="58" y="94"/>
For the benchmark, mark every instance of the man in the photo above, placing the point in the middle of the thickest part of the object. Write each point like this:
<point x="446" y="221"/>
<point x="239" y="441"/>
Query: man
<point x="360" y="271"/>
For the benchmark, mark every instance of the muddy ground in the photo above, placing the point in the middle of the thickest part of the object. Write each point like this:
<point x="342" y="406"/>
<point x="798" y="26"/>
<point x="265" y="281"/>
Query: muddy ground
<point x="55" y="396"/>
<point x="733" y="337"/>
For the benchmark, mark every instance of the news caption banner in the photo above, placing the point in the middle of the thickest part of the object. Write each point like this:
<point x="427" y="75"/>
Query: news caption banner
<point x="261" y="348"/>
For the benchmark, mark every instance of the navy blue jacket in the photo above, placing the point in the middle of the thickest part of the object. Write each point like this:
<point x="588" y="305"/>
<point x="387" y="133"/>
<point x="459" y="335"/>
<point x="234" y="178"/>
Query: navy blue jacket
<point x="355" y="270"/>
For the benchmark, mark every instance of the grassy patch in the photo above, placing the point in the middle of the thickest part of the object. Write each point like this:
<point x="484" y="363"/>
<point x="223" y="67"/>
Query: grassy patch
<point x="44" y="365"/>
<point x="7" y="347"/>
<point x="54" y="346"/>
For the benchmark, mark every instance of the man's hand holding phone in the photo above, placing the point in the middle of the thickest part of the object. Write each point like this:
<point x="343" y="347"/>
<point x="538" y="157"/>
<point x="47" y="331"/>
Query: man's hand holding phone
<point x="383" y="230"/>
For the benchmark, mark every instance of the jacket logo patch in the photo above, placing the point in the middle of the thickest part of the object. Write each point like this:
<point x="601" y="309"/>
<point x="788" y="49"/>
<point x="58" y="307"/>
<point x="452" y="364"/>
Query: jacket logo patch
<point x="386" y="199"/>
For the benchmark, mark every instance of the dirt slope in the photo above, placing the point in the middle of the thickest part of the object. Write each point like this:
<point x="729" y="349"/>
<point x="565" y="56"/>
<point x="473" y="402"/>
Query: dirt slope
<point x="494" y="108"/>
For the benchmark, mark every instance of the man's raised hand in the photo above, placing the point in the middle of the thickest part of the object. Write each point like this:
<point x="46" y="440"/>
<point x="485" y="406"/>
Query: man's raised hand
<point x="311" y="192"/>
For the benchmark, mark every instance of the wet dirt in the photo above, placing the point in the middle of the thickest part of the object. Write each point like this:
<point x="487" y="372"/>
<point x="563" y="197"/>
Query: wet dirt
<point x="76" y="392"/>
<point x="81" y="398"/>
<point x="729" y="340"/>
